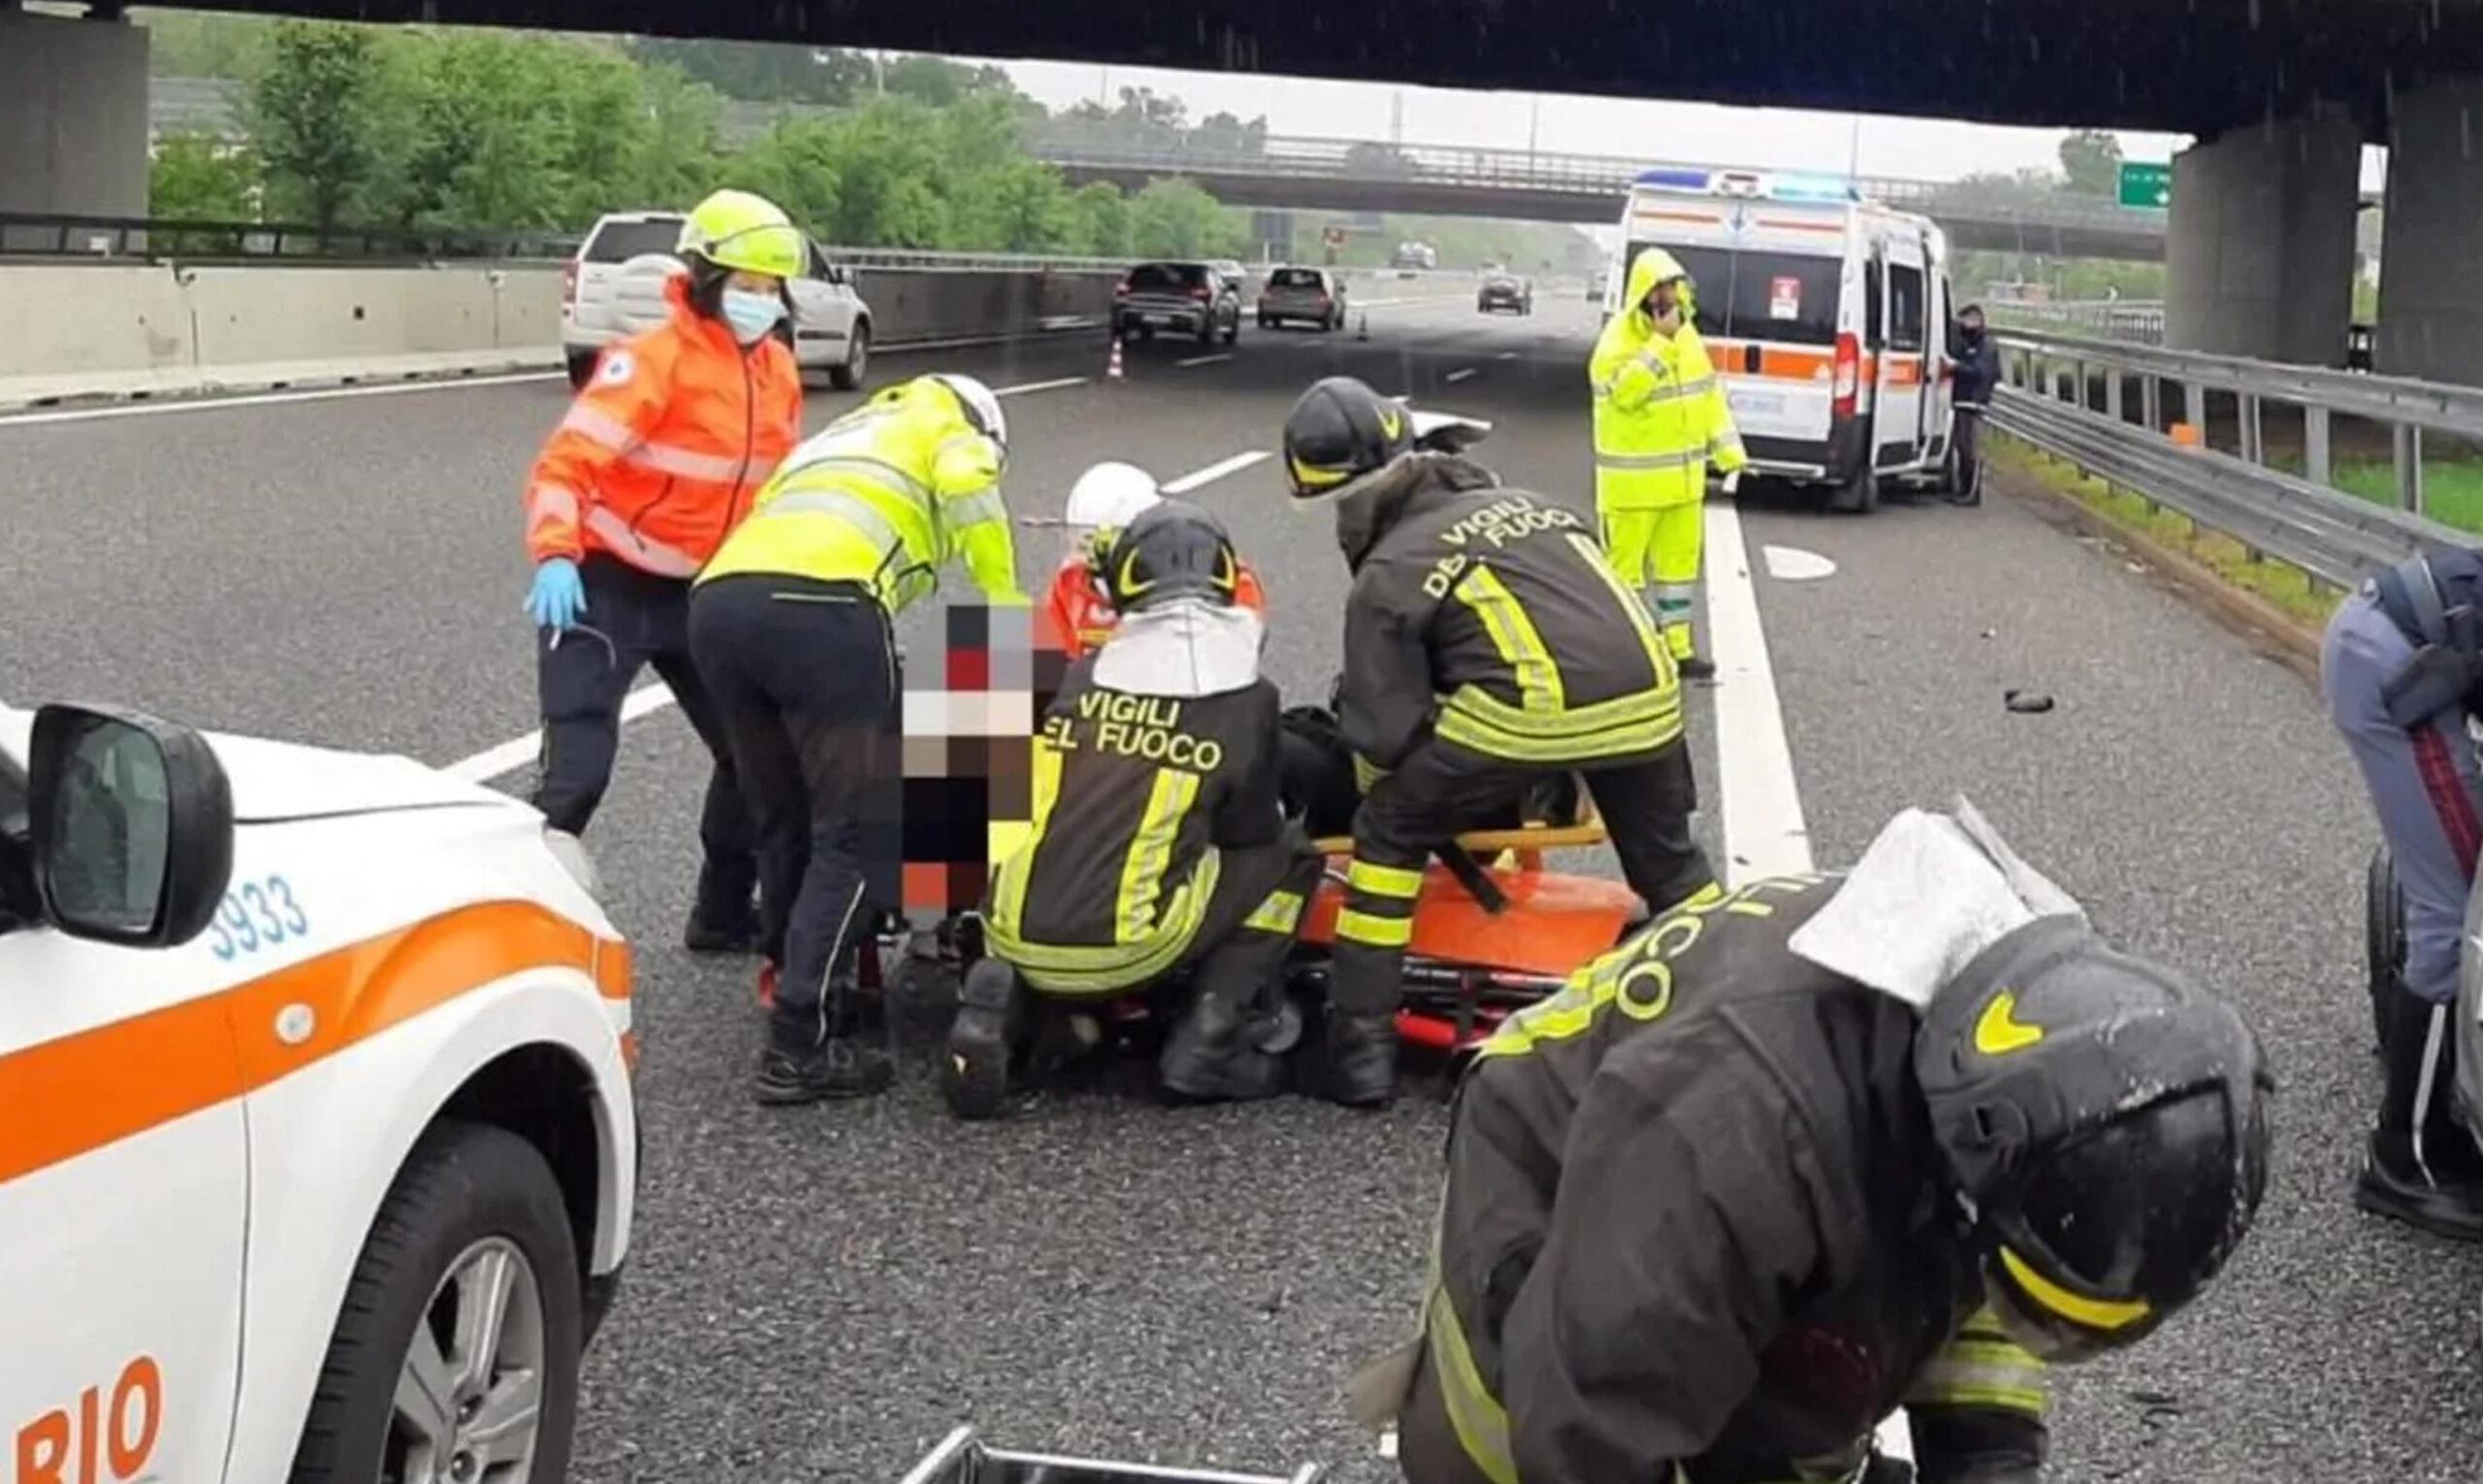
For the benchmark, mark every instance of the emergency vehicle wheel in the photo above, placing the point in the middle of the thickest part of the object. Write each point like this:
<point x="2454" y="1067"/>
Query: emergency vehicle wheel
<point x="456" y="1354"/>
<point x="2383" y="934"/>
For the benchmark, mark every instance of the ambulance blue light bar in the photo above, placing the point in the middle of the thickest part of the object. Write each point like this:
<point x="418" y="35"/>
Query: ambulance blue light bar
<point x="1792" y="188"/>
<point x="1675" y="179"/>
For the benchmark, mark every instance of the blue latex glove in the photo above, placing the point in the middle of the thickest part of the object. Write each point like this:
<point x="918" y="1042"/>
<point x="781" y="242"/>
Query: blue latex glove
<point x="557" y="597"/>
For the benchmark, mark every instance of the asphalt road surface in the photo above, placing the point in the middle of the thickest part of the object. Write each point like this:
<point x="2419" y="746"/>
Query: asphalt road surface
<point x="820" y="1294"/>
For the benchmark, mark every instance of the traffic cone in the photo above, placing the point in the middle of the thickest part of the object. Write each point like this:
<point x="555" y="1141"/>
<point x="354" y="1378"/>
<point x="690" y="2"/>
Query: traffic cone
<point x="1112" y="371"/>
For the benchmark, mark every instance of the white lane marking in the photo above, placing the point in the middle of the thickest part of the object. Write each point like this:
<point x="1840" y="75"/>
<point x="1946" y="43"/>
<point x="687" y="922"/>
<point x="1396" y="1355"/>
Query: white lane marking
<point x="516" y="753"/>
<point x="1765" y="834"/>
<point x="210" y="403"/>
<point x="1206" y="359"/>
<point x="494" y="762"/>
<point x="1459" y="374"/>
<point x="1506" y="355"/>
<point x="1791" y="564"/>
<point x="1215" y="472"/>
<point x="1041" y="386"/>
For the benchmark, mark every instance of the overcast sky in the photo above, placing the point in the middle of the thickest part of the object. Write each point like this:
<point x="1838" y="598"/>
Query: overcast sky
<point x="1692" y="132"/>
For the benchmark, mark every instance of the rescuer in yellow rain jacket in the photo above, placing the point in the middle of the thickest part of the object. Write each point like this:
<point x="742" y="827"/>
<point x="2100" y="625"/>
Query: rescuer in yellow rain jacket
<point x="790" y="624"/>
<point x="1660" y="419"/>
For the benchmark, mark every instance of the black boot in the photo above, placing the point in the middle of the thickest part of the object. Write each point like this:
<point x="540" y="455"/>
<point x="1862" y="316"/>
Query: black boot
<point x="1211" y="1057"/>
<point x="852" y="1061"/>
<point x="981" y="1040"/>
<point x="1360" y="1066"/>
<point x="2422" y="1167"/>
<point x="723" y="921"/>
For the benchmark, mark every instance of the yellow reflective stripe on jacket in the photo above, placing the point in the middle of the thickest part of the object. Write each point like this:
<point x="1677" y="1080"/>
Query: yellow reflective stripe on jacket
<point x="971" y="510"/>
<point x="1474" y="1414"/>
<point x="1982" y="1366"/>
<point x="1667" y="676"/>
<point x="1280" y="913"/>
<point x="1366" y="773"/>
<point x="1384" y="879"/>
<point x="1514" y="636"/>
<point x="1682" y="459"/>
<point x="1151" y="853"/>
<point x="1009" y="889"/>
<point x="1476" y="720"/>
<point x="1110" y="969"/>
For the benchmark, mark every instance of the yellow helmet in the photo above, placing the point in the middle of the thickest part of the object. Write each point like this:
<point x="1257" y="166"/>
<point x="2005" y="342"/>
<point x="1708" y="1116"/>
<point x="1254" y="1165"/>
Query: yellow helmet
<point x="737" y="230"/>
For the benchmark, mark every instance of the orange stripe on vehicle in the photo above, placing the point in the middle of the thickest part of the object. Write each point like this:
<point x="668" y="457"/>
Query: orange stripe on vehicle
<point x="1702" y="217"/>
<point x="1832" y="229"/>
<point x="1905" y="370"/>
<point x="1796" y="365"/>
<point x="103" y="1086"/>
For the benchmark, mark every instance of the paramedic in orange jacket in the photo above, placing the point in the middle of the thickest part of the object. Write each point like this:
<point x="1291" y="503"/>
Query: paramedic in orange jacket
<point x="656" y="462"/>
<point x="1076" y="615"/>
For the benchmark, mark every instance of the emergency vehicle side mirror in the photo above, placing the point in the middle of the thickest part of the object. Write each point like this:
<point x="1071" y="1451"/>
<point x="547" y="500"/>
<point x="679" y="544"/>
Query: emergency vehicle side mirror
<point x="131" y="823"/>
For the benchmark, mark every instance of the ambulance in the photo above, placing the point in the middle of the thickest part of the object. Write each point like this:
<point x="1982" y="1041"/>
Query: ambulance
<point x="1827" y="315"/>
<point x="318" y="1145"/>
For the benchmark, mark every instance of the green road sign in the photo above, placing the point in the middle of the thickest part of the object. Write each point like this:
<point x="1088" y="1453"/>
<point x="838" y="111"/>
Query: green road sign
<point x="2146" y="186"/>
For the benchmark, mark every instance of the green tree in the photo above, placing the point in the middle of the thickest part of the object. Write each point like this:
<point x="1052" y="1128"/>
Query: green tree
<point x="317" y="114"/>
<point x="1176" y="220"/>
<point x="198" y="44"/>
<point x="941" y="82"/>
<point x="1103" y="222"/>
<point x="763" y="72"/>
<point x="200" y="177"/>
<point x="2091" y="158"/>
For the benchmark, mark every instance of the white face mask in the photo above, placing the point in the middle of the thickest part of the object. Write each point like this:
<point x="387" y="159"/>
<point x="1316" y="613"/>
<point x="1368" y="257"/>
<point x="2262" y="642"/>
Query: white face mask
<point x="752" y="315"/>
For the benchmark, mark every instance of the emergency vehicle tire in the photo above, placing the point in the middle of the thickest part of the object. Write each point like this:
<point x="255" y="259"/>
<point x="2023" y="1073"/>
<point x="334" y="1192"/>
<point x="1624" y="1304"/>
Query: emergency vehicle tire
<point x="848" y="374"/>
<point x="581" y="368"/>
<point x="2383" y="934"/>
<point x="474" y="1218"/>
<point x="1858" y="496"/>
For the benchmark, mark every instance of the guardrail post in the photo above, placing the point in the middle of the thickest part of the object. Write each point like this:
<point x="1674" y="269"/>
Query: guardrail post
<point x="2314" y="443"/>
<point x="2253" y="446"/>
<point x="2079" y="370"/>
<point x="2410" y="467"/>
<point x="2194" y="408"/>
<point x="2150" y="394"/>
<point x="2112" y="393"/>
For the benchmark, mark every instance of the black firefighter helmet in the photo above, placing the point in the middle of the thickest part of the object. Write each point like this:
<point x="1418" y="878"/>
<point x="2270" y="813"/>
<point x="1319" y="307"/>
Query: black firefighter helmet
<point x="2105" y="1121"/>
<point x="1171" y="550"/>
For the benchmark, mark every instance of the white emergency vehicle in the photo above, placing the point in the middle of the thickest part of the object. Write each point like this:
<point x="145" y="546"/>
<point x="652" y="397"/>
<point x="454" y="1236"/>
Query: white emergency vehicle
<point x="1828" y="316"/>
<point x="318" y="1147"/>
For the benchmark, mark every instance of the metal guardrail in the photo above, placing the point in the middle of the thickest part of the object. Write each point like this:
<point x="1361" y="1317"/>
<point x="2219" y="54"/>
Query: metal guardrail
<point x="2299" y="519"/>
<point x="2139" y="321"/>
<point x="50" y="236"/>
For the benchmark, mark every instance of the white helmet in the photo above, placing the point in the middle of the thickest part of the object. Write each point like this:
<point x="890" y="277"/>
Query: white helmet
<point x="983" y="408"/>
<point x="1110" y="494"/>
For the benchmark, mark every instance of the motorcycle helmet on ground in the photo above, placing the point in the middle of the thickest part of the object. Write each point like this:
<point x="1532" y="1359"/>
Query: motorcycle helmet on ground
<point x="2104" y="1124"/>
<point x="1171" y="550"/>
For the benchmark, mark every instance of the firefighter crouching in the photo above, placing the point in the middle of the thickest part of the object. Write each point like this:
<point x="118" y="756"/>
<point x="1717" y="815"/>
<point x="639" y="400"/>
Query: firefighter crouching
<point x="1784" y="1163"/>
<point x="790" y="624"/>
<point x="1659" y="416"/>
<point x="1158" y="841"/>
<point x="1487" y="643"/>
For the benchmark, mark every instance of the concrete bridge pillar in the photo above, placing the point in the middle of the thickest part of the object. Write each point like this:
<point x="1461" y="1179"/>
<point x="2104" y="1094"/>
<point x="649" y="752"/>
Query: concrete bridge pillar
<point x="73" y="114"/>
<point x="2260" y="257"/>
<point x="2430" y="251"/>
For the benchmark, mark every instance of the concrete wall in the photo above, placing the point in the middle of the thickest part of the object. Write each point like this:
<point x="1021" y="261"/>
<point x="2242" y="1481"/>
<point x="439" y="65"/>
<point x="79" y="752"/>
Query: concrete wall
<point x="2260" y="260"/>
<point x="82" y="319"/>
<point x="2431" y="274"/>
<point x="72" y="115"/>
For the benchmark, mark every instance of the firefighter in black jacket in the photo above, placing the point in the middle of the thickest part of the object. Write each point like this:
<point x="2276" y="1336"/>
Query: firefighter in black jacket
<point x="1487" y="643"/>
<point x="1158" y="840"/>
<point x="1786" y="1162"/>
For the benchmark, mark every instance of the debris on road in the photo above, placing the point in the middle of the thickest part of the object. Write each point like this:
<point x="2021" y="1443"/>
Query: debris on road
<point x="2026" y="702"/>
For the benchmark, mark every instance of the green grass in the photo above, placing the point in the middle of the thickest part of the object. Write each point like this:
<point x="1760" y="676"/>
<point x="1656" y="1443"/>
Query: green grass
<point x="2287" y="587"/>
<point x="2451" y="488"/>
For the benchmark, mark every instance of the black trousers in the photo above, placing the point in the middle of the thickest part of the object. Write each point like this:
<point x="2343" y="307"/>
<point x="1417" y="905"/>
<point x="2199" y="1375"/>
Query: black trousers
<point x="1443" y="789"/>
<point x="1969" y="435"/>
<point x="634" y="619"/>
<point x="804" y="674"/>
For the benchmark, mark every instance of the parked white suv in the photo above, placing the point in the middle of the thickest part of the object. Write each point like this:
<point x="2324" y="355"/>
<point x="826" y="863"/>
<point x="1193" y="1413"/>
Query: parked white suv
<point x="613" y="287"/>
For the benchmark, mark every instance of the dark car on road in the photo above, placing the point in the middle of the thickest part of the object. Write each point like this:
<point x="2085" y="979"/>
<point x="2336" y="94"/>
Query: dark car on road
<point x="1312" y="296"/>
<point x="1193" y="299"/>
<point x="1504" y="291"/>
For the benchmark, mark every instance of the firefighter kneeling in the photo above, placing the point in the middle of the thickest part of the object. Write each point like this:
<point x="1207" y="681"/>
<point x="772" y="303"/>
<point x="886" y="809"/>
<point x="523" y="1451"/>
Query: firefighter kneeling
<point x="1487" y="643"/>
<point x="1158" y="841"/>
<point x="1784" y="1163"/>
